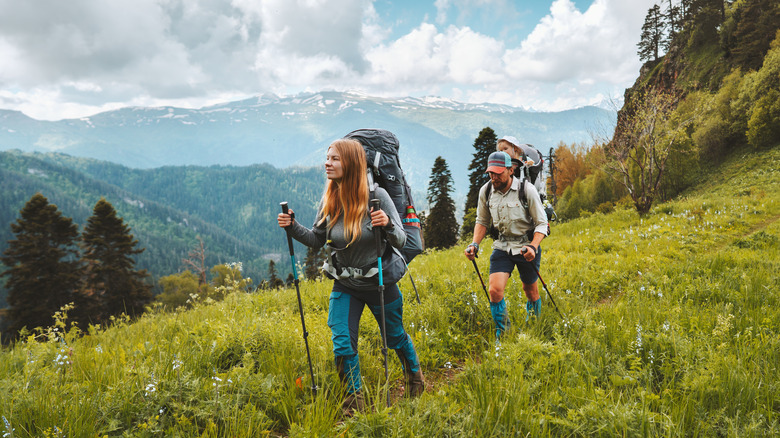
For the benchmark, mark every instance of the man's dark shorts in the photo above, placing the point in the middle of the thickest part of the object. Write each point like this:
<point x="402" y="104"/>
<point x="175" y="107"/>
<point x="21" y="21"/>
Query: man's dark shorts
<point x="502" y="261"/>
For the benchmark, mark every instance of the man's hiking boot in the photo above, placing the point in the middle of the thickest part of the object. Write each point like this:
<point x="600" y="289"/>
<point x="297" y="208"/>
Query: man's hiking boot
<point x="353" y="403"/>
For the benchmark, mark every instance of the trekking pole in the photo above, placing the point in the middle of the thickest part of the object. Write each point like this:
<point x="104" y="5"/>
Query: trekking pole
<point x="415" y="287"/>
<point x="378" y="240"/>
<point x="476" y="268"/>
<point x="474" y="261"/>
<point x="523" y="251"/>
<point x="285" y="210"/>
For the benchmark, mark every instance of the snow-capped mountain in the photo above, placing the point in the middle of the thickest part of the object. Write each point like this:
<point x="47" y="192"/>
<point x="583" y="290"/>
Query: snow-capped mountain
<point x="290" y="131"/>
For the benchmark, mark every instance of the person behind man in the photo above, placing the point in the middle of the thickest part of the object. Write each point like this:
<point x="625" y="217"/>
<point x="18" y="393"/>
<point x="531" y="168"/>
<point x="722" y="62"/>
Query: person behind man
<point x="511" y="146"/>
<point x="520" y="229"/>
<point x="345" y="223"/>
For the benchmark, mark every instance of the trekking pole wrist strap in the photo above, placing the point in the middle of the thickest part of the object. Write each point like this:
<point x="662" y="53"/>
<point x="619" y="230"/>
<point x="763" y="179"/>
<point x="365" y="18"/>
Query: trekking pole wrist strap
<point x="475" y="246"/>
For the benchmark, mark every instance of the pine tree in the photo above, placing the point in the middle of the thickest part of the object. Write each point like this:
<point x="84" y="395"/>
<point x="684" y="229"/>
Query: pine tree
<point x="484" y="145"/>
<point x="312" y="263"/>
<point x="111" y="277"/>
<point x="441" y="229"/>
<point x="43" y="267"/>
<point x="273" y="277"/>
<point x="196" y="260"/>
<point x="706" y="18"/>
<point x="673" y="19"/>
<point x="652" y="35"/>
<point x="756" y="25"/>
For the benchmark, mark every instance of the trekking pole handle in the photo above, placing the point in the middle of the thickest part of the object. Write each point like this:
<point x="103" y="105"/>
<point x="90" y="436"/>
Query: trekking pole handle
<point x="377" y="237"/>
<point x="524" y="250"/>
<point x="285" y="210"/>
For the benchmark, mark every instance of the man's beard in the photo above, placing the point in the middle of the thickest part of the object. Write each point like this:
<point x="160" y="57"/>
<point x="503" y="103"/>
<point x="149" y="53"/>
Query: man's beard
<point x="500" y="185"/>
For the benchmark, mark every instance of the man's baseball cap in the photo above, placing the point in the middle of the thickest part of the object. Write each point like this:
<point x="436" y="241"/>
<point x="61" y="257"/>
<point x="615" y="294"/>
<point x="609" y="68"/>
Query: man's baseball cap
<point x="498" y="161"/>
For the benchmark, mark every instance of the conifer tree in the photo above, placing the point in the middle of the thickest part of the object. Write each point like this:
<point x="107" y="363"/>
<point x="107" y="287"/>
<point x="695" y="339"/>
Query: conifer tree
<point x="273" y="277"/>
<point x="441" y="229"/>
<point x="312" y="263"/>
<point x="756" y="25"/>
<point x="196" y="260"/>
<point x="673" y="19"/>
<point x="484" y="145"/>
<point x="111" y="278"/>
<point x="652" y="35"/>
<point x="43" y="267"/>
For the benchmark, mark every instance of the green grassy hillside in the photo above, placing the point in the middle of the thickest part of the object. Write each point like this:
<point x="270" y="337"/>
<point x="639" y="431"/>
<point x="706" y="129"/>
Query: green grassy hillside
<point x="672" y="327"/>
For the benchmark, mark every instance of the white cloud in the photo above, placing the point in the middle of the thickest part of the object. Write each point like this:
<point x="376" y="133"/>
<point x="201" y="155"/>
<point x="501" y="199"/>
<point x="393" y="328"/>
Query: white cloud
<point x="441" y="10"/>
<point x="67" y="59"/>
<point x="598" y="44"/>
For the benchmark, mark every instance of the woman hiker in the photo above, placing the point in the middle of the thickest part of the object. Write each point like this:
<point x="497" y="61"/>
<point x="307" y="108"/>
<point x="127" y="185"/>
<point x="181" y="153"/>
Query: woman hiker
<point x="345" y="223"/>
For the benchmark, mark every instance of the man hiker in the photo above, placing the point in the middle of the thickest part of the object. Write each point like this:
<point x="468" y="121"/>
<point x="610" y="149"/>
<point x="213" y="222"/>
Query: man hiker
<point x="521" y="222"/>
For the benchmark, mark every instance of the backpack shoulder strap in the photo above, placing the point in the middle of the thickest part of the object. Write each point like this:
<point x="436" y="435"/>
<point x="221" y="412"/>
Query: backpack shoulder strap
<point x="487" y="194"/>
<point x="521" y="195"/>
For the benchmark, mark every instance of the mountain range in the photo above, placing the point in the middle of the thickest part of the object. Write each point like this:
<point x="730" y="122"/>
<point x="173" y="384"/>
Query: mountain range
<point x="295" y="131"/>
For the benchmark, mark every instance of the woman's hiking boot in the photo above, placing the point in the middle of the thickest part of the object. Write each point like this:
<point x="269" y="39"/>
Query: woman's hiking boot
<point x="415" y="383"/>
<point x="352" y="403"/>
<point x="414" y="380"/>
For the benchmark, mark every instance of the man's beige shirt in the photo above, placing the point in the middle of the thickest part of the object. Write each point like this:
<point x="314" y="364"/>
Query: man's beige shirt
<point x="509" y="216"/>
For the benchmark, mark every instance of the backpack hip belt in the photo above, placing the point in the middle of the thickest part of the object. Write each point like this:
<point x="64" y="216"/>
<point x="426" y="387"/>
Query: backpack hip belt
<point x="503" y="238"/>
<point x="336" y="271"/>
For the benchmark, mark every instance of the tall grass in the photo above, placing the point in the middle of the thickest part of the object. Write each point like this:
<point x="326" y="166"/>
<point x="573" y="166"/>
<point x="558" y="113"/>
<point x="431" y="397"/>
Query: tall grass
<point x="671" y="328"/>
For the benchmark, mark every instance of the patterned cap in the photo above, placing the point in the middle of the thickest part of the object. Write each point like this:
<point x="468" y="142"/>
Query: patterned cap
<point x="498" y="161"/>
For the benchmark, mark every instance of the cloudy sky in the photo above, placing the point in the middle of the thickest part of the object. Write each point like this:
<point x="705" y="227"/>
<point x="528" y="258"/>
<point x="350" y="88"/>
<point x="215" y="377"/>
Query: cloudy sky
<point x="66" y="59"/>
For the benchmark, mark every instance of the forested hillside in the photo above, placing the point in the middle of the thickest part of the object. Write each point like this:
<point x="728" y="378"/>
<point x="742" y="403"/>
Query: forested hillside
<point x="233" y="209"/>
<point x="709" y="88"/>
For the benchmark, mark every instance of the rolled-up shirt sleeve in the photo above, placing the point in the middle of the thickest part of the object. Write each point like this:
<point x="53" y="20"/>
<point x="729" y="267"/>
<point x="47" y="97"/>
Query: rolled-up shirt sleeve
<point x="483" y="213"/>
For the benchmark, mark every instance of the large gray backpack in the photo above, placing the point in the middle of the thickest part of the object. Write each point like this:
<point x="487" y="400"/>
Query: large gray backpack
<point x="384" y="168"/>
<point x="534" y="173"/>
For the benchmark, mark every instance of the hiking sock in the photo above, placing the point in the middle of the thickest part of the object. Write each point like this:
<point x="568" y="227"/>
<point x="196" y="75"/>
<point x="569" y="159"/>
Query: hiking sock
<point x="500" y="317"/>
<point x="533" y="307"/>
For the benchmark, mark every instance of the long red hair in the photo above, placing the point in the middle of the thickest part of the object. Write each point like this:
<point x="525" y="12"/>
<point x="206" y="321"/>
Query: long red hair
<point x="350" y="193"/>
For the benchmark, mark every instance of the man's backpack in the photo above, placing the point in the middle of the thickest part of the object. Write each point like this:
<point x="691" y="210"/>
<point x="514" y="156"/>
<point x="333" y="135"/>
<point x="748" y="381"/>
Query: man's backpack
<point x="384" y="168"/>
<point x="534" y="172"/>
